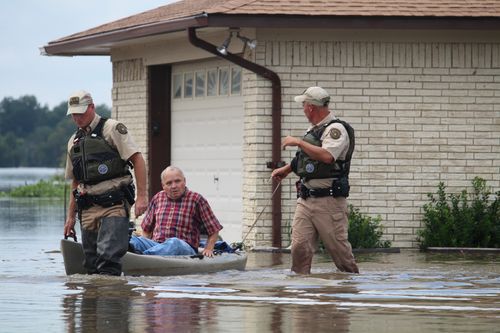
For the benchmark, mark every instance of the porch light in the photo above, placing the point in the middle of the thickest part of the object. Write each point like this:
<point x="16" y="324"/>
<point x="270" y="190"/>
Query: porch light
<point x="223" y="48"/>
<point x="251" y="43"/>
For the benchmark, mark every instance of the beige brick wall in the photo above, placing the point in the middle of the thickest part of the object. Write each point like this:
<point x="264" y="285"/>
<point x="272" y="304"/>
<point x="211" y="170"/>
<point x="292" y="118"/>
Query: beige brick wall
<point x="129" y="95"/>
<point x="424" y="112"/>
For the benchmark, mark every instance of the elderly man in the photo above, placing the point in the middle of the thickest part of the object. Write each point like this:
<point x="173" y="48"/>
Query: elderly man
<point x="99" y="154"/>
<point x="175" y="218"/>
<point x="322" y="162"/>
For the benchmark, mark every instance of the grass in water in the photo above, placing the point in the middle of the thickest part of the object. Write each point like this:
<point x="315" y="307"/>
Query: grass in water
<point x="54" y="187"/>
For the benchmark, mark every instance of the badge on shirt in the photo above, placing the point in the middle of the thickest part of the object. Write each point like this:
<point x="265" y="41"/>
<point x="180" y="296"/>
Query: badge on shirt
<point x="122" y="129"/>
<point x="335" y="133"/>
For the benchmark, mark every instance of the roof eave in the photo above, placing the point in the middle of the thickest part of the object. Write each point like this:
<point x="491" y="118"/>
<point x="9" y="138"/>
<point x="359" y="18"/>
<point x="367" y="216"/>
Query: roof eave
<point x="99" y="44"/>
<point x="96" y="44"/>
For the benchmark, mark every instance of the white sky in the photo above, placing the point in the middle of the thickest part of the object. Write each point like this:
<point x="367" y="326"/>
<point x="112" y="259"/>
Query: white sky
<point x="26" y="25"/>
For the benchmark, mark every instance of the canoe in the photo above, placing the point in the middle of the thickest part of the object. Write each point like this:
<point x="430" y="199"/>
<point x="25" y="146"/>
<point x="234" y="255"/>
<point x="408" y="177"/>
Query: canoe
<point x="136" y="264"/>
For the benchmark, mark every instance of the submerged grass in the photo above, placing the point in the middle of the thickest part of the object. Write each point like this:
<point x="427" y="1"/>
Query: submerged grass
<point x="55" y="187"/>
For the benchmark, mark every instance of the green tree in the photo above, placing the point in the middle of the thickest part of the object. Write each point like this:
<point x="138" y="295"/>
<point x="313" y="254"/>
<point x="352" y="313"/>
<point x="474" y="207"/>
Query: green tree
<point x="34" y="135"/>
<point x="10" y="155"/>
<point x="20" y="116"/>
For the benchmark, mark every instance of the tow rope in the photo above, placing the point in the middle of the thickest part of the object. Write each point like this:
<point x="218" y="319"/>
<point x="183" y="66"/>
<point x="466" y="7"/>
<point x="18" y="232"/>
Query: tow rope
<point x="239" y="245"/>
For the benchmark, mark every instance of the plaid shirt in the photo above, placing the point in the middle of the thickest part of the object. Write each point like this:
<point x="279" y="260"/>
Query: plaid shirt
<point x="183" y="218"/>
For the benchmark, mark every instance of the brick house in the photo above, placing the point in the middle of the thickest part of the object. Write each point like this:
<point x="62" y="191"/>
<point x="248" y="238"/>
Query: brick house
<point x="419" y="81"/>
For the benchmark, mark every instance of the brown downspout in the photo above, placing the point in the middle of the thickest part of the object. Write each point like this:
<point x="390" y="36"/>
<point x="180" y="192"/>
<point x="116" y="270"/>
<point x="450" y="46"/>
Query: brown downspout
<point x="276" y="120"/>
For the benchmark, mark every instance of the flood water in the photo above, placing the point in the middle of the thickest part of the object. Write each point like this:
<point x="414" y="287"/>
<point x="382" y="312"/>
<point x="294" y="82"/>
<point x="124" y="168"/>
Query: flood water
<point x="405" y="292"/>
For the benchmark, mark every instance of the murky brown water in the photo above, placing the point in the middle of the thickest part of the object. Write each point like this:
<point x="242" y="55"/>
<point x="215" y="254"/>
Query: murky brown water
<point x="406" y="292"/>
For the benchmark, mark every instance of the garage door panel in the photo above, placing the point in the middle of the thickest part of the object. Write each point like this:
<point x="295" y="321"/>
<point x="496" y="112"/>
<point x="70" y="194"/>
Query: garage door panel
<point x="207" y="140"/>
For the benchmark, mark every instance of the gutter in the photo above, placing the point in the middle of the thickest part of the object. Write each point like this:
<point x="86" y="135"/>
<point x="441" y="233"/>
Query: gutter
<point x="276" y="121"/>
<point x="67" y="46"/>
<point x="100" y="43"/>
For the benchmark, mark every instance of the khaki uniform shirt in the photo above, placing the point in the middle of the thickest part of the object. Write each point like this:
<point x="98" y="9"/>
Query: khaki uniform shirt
<point x="335" y="140"/>
<point x="125" y="145"/>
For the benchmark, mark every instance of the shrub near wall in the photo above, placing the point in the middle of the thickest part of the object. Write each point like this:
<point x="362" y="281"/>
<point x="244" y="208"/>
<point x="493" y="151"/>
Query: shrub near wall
<point x="365" y="232"/>
<point x="462" y="220"/>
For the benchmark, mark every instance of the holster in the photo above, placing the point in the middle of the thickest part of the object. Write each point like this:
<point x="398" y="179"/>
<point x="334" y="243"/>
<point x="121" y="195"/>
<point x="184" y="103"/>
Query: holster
<point x="129" y="193"/>
<point x="340" y="187"/>
<point x="83" y="201"/>
<point x="302" y="191"/>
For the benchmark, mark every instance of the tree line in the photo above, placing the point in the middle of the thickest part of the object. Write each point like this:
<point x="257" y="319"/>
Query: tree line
<point x="32" y="135"/>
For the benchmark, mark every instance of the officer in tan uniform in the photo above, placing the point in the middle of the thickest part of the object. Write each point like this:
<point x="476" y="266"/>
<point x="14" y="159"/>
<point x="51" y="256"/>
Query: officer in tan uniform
<point x="100" y="155"/>
<point x="322" y="162"/>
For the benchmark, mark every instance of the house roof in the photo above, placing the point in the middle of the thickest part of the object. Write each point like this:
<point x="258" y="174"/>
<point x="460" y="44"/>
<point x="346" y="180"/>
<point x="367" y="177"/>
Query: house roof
<point x="468" y="14"/>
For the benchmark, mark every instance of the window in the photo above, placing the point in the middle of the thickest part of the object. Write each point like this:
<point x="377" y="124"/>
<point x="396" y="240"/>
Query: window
<point x="177" y="86"/>
<point x="223" y="81"/>
<point x="235" y="80"/>
<point x="188" y="85"/>
<point x="212" y="82"/>
<point x="200" y="84"/>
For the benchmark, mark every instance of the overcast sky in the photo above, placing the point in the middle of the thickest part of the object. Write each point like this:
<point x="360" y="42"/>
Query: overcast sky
<point x="26" y="25"/>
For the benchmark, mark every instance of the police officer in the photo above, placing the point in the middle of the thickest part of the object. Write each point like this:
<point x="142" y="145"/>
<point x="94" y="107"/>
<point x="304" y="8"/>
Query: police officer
<point x="100" y="154"/>
<point x="322" y="162"/>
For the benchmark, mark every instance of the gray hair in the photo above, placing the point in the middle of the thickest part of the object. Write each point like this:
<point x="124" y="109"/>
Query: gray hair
<point x="171" y="168"/>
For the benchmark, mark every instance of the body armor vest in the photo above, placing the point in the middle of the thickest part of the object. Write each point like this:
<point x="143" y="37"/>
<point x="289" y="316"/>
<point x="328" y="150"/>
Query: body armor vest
<point x="307" y="168"/>
<point x="93" y="158"/>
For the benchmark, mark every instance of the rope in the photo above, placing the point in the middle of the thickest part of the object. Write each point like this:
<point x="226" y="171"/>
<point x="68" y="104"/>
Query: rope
<point x="262" y="211"/>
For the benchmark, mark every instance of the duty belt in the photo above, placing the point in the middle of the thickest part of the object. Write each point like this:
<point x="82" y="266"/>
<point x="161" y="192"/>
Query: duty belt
<point x="84" y="201"/>
<point x="304" y="192"/>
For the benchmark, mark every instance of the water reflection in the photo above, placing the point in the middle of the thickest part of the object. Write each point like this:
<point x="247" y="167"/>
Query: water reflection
<point x="31" y="215"/>
<point x="98" y="305"/>
<point x="177" y="315"/>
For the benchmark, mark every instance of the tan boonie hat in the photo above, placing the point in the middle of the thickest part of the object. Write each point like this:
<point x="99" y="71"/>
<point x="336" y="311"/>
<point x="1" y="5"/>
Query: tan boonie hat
<point x="314" y="95"/>
<point x="78" y="102"/>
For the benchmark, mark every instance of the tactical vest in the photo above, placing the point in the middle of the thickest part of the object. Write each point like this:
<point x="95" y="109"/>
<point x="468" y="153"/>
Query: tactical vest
<point x="93" y="158"/>
<point x="307" y="168"/>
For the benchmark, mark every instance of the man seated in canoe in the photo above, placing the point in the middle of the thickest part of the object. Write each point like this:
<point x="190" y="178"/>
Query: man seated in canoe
<point x="174" y="219"/>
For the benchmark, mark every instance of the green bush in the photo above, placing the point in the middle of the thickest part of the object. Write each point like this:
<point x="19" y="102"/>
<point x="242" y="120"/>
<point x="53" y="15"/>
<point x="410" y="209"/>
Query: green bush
<point x="55" y="188"/>
<point x="461" y="220"/>
<point x="364" y="231"/>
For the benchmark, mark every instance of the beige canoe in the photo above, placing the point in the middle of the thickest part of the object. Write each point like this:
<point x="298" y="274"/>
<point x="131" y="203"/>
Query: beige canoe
<point x="136" y="264"/>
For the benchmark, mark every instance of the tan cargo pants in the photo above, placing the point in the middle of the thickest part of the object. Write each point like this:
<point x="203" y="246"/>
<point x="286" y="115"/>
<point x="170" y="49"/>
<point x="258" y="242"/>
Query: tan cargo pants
<point x="91" y="217"/>
<point x="325" y="217"/>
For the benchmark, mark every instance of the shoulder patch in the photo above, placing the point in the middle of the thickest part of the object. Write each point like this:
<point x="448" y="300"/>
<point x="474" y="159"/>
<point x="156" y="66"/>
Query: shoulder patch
<point x="122" y="129"/>
<point x="335" y="133"/>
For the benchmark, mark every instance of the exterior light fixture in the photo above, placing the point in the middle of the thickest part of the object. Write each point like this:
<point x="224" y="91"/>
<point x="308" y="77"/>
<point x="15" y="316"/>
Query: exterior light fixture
<point x="223" y="48"/>
<point x="251" y="43"/>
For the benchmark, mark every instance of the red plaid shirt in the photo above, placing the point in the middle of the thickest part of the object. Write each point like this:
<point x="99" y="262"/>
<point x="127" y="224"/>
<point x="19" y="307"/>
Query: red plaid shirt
<point x="182" y="218"/>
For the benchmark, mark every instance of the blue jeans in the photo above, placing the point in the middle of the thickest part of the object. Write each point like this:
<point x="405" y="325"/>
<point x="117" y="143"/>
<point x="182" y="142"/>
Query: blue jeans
<point x="171" y="247"/>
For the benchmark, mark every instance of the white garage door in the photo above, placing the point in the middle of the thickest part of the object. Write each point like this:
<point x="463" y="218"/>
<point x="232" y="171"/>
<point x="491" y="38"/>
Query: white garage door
<point x="207" y="137"/>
